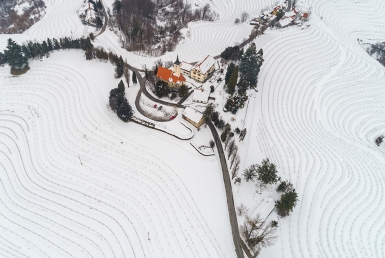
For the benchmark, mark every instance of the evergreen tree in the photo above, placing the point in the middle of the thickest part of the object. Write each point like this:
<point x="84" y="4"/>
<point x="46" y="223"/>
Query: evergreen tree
<point x="250" y="173"/>
<point x="87" y="44"/>
<point x="99" y="5"/>
<point x="183" y="91"/>
<point x="3" y="59"/>
<point x="99" y="22"/>
<point x="44" y="48"/>
<point x="208" y="113"/>
<point x="161" y="89"/>
<point x="125" y="111"/>
<point x="49" y="43"/>
<point x="14" y="55"/>
<point x="287" y="203"/>
<point x="56" y="45"/>
<point x="250" y="65"/>
<point x="267" y="172"/>
<point x="25" y="50"/>
<point x="134" y="81"/>
<point x="229" y="72"/>
<point x="232" y="82"/>
<point x="121" y="87"/>
<point x="119" y="67"/>
<point x="117" y="6"/>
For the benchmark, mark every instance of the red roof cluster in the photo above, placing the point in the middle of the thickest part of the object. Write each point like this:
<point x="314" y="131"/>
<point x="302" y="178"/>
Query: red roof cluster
<point x="168" y="75"/>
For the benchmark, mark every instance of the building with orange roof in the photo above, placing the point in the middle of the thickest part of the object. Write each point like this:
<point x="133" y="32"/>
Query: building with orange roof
<point x="174" y="78"/>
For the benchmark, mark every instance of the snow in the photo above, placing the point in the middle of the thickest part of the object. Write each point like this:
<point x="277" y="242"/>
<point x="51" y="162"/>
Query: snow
<point x="76" y="181"/>
<point x="186" y="66"/>
<point x="205" y="64"/>
<point x="201" y="95"/>
<point x="192" y="114"/>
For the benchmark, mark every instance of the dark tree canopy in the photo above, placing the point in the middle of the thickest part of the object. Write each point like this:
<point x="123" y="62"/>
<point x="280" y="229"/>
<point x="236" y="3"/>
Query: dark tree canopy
<point x="14" y="56"/>
<point x="287" y="203"/>
<point x="250" y="66"/>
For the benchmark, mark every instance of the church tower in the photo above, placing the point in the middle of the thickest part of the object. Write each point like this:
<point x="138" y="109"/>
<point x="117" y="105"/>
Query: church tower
<point x="177" y="66"/>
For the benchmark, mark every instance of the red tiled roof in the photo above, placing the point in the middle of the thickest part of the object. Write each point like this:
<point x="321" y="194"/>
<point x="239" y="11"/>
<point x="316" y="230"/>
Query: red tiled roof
<point x="305" y="15"/>
<point x="166" y="74"/>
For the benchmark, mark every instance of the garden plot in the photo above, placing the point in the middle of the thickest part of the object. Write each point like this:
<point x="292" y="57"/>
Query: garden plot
<point x="78" y="182"/>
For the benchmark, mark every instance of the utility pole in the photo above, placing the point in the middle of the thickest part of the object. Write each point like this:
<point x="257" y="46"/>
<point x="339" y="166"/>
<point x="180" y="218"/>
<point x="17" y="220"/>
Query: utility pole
<point x="80" y="160"/>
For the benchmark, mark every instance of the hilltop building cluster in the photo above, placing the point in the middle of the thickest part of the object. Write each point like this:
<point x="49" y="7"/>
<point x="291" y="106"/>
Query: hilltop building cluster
<point x="285" y="18"/>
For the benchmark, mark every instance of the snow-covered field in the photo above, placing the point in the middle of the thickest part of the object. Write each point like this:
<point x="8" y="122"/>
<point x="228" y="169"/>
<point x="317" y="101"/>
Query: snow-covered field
<point x="318" y="112"/>
<point x="77" y="182"/>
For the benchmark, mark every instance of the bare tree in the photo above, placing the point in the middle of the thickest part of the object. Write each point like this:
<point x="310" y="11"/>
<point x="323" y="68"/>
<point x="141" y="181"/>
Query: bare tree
<point x="235" y="169"/>
<point x="205" y="9"/>
<point x="242" y="210"/>
<point x="231" y="148"/>
<point x="244" y="16"/>
<point x="233" y="157"/>
<point x="258" y="234"/>
<point x="228" y="139"/>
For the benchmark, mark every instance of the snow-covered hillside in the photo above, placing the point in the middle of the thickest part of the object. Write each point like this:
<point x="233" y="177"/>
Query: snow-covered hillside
<point x="77" y="182"/>
<point x="320" y="108"/>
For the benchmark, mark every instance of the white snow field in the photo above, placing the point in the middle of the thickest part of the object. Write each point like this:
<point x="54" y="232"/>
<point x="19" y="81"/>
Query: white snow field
<point x="319" y="109"/>
<point x="60" y="20"/>
<point x="77" y="182"/>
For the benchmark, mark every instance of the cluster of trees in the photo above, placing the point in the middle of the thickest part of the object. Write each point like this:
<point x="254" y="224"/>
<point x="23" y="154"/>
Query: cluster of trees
<point x="162" y="90"/>
<point x="153" y="26"/>
<point x="119" y="103"/>
<point x="240" y="78"/>
<point x="12" y="22"/>
<point x="232" y="53"/>
<point x="17" y="56"/>
<point x="233" y="103"/>
<point x="244" y="17"/>
<point x="249" y="68"/>
<point x="378" y="51"/>
<point x="379" y="140"/>
<point x="266" y="173"/>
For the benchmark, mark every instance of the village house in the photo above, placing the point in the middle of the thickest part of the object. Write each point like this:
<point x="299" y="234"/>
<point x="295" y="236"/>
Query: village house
<point x="186" y="68"/>
<point x="202" y="69"/>
<point x="174" y="78"/>
<point x="201" y="96"/>
<point x="193" y="116"/>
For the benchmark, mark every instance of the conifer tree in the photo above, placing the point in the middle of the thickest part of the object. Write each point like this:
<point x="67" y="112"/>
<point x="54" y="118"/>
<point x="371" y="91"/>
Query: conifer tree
<point x="229" y="72"/>
<point x="232" y="82"/>
<point x="249" y="67"/>
<point x="44" y="48"/>
<point x="121" y="86"/>
<point x="134" y="81"/>
<point x="49" y="43"/>
<point x="14" y="55"/>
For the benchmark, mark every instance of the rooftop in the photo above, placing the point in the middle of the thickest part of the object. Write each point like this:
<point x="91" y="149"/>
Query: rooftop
<point x="201" y="95"/>
<point x="205" y="64"/>
<point x="169" y="76"/>
<point x="192" y="114"/>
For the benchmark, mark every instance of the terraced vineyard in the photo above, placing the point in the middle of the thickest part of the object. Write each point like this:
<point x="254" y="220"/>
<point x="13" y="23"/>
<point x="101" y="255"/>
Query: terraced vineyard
<point x="320" y="110"/>
<point x="76" y="182"/>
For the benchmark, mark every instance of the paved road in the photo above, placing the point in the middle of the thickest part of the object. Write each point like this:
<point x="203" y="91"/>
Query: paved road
<point x="229" y="193"/>
<point x="105" y="20"/>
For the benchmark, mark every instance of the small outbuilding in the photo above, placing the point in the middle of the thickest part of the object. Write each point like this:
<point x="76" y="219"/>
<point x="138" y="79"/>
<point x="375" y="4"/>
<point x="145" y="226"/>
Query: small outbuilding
<point x="201" y="96"/>
<point x="193" y="116"/>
